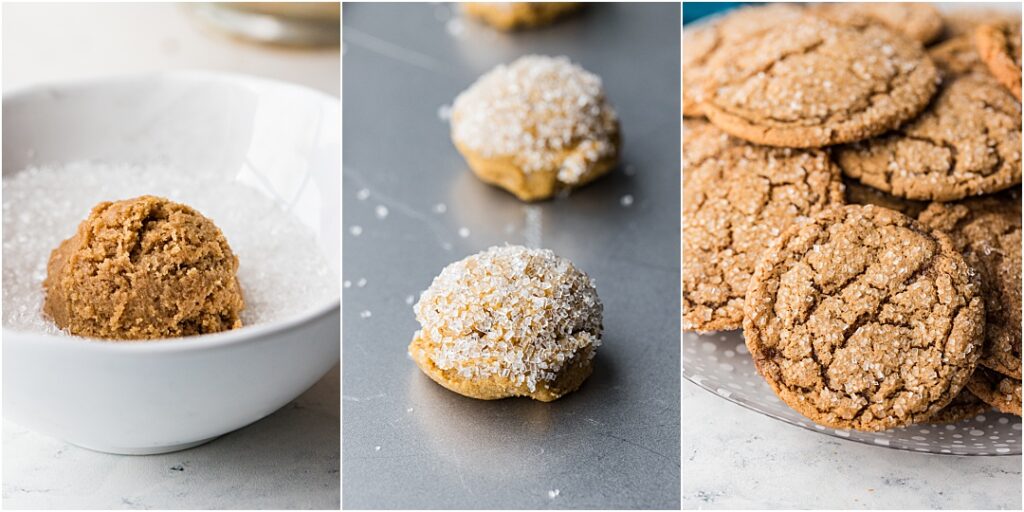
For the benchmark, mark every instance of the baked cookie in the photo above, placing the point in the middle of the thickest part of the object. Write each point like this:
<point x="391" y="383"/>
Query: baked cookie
<point x="918" y="21"/>
<point x="958" y="55"/>
<point x="143" y="268"/>
<point x="997" y="390"/>
<point x="999" y="48"/>
<point x="737" y="197"/>
<point x="861" y="318"/>
<point x="966" y="405"/>
<point x="858" y="193"/>
<point x="987" y="231"/>
<point x="536" y="126"/>
<point x="815" y="83"/>
<point x="967" y="142"/>
<point x="508" y="321"/>
<point x="702" y="40"/>
<point x="519" y="15"/>
<point x="960" y="22"/>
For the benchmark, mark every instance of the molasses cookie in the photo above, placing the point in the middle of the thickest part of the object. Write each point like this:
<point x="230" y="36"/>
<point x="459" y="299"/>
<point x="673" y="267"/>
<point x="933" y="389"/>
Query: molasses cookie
<point x="508" y="321"/>
<point x="918" y="21"/>
<point x="858" y="193"/>
<point x="966" y="405"/>
<point x="861" y="318"/>
<point x="999" y="48"/>
<point x="701" y="41"/>
<point x="815" y="83"/>
<point x="519" y="15"/>
<point x="143" y="268"/>
<point x="967" y="142"/>
<point x="997" y="390"/>
<point x="536" y="126"/>
<point x="987" y="231"/>
<point x="737" y="197"/>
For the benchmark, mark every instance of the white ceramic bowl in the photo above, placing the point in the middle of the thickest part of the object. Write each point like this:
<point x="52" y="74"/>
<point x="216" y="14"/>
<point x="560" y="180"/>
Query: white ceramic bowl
<point x="160" y="396"/>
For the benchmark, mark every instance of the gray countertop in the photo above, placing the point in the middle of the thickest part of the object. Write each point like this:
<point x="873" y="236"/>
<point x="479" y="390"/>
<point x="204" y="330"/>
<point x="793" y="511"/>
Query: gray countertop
<point x="411" y="207"/>
<point x="288" y="460"/>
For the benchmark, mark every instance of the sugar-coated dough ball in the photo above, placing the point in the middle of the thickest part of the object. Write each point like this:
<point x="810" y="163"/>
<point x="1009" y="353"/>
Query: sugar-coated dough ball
<point x="518" y="15"/>
<point x="143" y="268"/>
<point x="509" y="321"/>
<point x="536" y="126"/>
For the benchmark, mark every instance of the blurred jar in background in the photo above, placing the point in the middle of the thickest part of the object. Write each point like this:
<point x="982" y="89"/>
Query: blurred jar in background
<point x="284" y="23"/>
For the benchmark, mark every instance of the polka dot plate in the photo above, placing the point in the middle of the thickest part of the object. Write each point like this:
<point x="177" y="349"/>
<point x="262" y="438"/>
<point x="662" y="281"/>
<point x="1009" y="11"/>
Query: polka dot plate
<point x="721" y="364"/>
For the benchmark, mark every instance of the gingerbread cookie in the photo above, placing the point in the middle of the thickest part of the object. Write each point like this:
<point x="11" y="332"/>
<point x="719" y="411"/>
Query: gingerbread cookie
<point x="966" y="405"/>
<point x="858" y="193"/>
<point x="999" y="47"/>
<point x="703" y="40"/>
<point x="519" y="15"/>
<point x="997" y="390"/>
<point x="815" y="83"/>
<point x="509" y="321"/>
<point x="861" y="318"/>
<point x="963" y="22"/>
<point x="967" y="142"/>
<point x="918" y="21"/>
<point x="737" y="197"/>
<point x="987" y="231"/>
<point x="536" y="126"/>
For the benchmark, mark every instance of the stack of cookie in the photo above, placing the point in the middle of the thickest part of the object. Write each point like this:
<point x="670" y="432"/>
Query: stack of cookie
<point x="851" y="200"/>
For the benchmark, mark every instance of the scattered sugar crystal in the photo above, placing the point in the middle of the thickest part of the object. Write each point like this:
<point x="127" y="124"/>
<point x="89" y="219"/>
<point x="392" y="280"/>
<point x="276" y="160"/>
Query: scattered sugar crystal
<point x="444" y="113"/>
<point x="455" y="26"/>
<point x="347" y="284"/>
<point x="553" y="493"/>
<point x="409" y="409"/>
<point x="361" y="282"/>
<point x="464" y="232"/>
<point x="381" y="211"/>
<point x="365" y="314"/>
<point x="626" y="200"/>
<point x="356" y="230"/>
<point x="376" y="448"/>
<point x="410" y="299"/>
<point x="440" y="208"/>
<point x="282" y="269"/>
<point x="363" y="194"/>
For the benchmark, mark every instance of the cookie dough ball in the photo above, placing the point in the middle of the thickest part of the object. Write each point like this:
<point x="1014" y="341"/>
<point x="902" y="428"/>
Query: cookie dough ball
<point x="862" y="318"/>
<point x="519" y="15"/>
<point x="536" y="126"/>
<point x="143" y="268"/>
<point x="509" y="321"/>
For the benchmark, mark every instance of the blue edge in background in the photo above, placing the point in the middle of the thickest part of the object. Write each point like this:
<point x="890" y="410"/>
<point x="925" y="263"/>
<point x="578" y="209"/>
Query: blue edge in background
<point x="695" y="10"/>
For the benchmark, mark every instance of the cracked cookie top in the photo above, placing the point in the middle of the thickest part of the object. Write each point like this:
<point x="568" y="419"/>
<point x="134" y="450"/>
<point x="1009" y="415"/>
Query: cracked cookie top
<point x="737" y="197"/>
<point x="918" y="21"/>
<point x="701" y="42"/>
<point x="987" y="231"/>
<point x="815" y="83"/>
<point x="861" y="318"/>
<point x="967" y="142"/>
<point x="999" y="391"/>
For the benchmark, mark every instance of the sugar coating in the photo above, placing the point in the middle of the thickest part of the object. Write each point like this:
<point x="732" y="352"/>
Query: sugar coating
<point x="544" y="112"/>
<point x="511" y="312"/>
<point x="281" y="268"/>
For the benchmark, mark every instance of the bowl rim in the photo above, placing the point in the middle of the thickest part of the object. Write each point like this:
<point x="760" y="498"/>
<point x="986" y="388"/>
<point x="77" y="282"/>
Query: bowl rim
<point x="184" y="343"/>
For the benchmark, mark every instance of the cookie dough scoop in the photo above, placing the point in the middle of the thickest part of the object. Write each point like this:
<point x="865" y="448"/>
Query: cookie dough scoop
<point x="143" y="268"/>
<point x="536" y="126"/>
<point x="506" y="322"/>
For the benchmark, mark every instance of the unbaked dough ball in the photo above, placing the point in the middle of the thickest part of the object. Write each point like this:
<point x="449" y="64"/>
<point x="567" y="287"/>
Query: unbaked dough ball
<point x="536" y="126"/>
<point x="143" y="268"/>
<point x="509" y="321"/>
<point x="518" y="15"/>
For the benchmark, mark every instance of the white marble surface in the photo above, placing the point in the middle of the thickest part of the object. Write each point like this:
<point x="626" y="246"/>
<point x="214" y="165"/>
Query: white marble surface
<point x="57" y="42"/>
<point x="288" y="460"/>
<point x="734" y="458"/>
